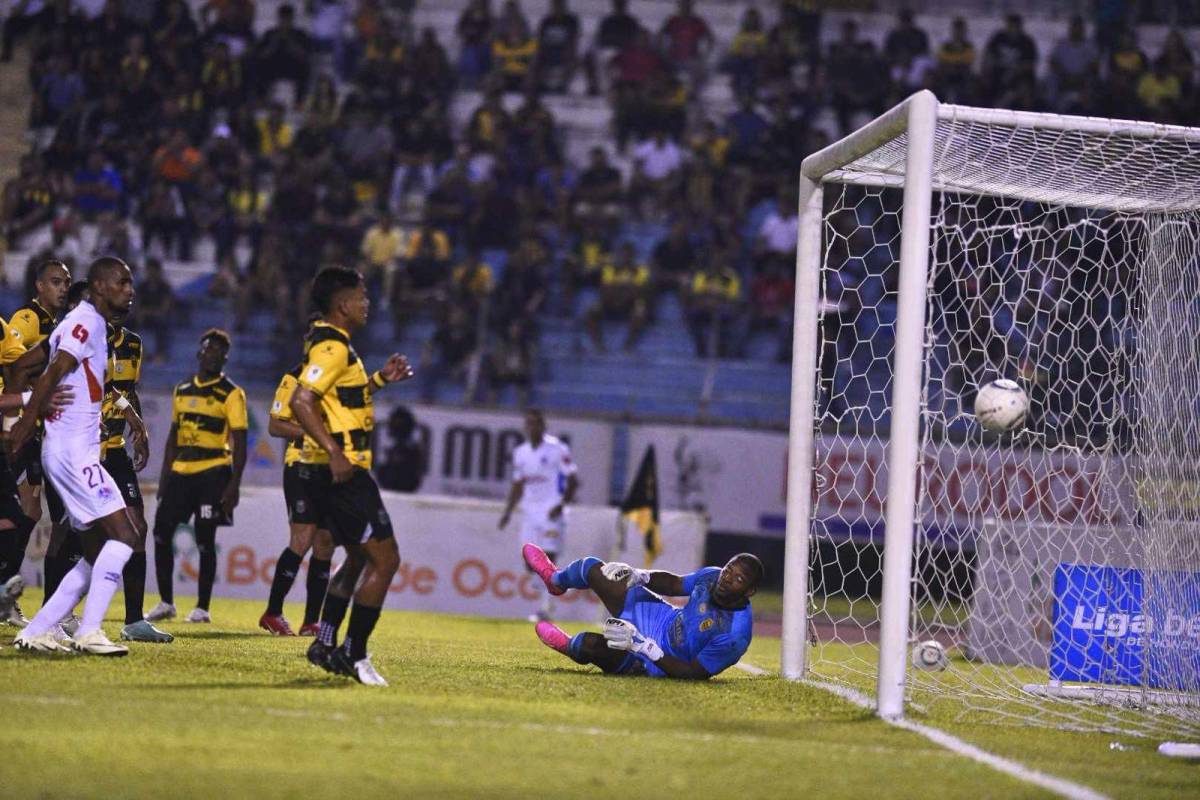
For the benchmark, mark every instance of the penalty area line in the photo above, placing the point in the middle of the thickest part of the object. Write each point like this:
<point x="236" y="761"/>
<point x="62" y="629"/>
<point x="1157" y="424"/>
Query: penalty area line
<point x="1015" y="769"/>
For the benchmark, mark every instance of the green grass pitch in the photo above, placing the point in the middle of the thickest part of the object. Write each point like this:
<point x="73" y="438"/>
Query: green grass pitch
<point x="479" y="708"/>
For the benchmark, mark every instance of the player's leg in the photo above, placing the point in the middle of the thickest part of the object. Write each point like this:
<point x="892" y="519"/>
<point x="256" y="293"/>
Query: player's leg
<point x="206" y="545"/>
<point x="317" y="583"/>
<point x="301" y="528"/>
<point x="15" y="530"/>
<point x="337" y="601"/>
<point x="137" y="628"/>
<point x="174" y="508"/>
<point x="582" y="573"/>
<point x="118" y="530"/>
<point x="584" y="648"/>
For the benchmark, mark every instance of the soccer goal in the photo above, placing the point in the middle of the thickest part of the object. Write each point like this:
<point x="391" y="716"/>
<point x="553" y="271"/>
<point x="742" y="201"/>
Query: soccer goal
<point x="1058" y="566"/>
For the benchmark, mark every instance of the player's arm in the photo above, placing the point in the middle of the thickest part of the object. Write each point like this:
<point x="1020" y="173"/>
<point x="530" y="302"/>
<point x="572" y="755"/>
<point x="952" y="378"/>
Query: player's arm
<point x="235" y="412"/>
<point x="280" y="422"/>
<point x="170" y="450"/>
<point x="284" y="429"/>
<point x="515" y="490"/>
<point x="667" y="584"/>
<point x="394" y="370"/>
<point x="63" y="364"/>
<point x="621" y="634"/>
<point x="324" y="366"/>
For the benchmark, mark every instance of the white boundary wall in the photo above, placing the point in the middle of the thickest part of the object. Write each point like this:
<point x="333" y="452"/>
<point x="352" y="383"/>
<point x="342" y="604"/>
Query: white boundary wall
<point x="453" y="559"/>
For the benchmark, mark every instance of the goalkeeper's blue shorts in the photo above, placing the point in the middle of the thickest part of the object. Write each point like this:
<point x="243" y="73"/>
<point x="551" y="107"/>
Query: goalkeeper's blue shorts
<point x="653" y="616"/>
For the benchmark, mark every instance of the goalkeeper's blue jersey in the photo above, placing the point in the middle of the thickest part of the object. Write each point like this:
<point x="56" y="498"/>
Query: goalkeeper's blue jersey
<point x="716" y="637"/>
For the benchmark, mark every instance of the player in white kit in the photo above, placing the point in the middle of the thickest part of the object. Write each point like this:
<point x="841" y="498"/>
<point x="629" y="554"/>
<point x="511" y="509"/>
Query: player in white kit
<point x="71" y="461"/>
<point x="544" y="481"/>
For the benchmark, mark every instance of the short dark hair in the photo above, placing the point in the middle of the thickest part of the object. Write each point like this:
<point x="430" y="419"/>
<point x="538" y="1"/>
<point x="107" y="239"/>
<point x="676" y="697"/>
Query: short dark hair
<point x="103" y="268"/>
<point x="754" y="564"/>
<point x="75" y="293"/>
<point x="48" y="265"/>
<point x="534" y="411"/>
<point x="218" y="334"/>
<point x="329" y="282"/>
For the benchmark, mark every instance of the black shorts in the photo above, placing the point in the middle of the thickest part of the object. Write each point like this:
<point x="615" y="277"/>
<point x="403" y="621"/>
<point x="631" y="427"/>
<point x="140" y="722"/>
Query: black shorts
<point x="10" y="501"/>
<point x="28" y="464"/>
<point x="300" y="482"/>
<point x="353" y="509"/>
<point x="197" y="495"/>
<point x="120" y="467"/>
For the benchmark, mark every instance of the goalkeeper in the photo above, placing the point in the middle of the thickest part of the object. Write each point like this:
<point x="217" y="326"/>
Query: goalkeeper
<point x="646" y="635"/>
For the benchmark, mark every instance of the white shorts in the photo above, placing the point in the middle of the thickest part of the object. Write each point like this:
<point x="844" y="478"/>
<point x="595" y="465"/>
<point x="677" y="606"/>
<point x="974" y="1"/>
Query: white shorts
<point x="87" y="490"/>
<point x="548" y="534"/>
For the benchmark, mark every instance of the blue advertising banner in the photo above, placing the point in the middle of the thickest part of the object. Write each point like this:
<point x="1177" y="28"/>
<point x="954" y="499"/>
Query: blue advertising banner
<point x="1123" y="626"/>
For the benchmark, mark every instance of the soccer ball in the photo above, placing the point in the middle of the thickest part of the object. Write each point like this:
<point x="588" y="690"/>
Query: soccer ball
<point x="930" y="655"/>
<point x="1000" y="406"/>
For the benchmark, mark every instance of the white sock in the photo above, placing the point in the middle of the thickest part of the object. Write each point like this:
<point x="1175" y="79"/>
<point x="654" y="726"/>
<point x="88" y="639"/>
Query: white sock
<point x="106" y="577"/>
<point x="72" y="587"/>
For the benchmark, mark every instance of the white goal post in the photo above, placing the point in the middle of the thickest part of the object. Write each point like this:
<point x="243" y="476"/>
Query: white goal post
<point x="1018" y="200"/>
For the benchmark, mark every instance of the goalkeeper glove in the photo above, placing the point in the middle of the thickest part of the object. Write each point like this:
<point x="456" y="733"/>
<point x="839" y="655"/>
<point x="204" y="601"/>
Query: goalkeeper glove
<point x="616" y="571"/>
<point x="622" y="635"/>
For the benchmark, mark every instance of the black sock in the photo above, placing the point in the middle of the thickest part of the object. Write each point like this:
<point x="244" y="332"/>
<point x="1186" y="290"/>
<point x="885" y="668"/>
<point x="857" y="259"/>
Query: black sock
<point x="285" y="575"/>
<point x="13" y="544"/>
<point x="362" y="622"/>
<point x="206" y="543"/>
<point x="331" y="618"/>
<point x="134" y="579"/>
<point x="164" y="568"/>
<point x="316" y="586"/>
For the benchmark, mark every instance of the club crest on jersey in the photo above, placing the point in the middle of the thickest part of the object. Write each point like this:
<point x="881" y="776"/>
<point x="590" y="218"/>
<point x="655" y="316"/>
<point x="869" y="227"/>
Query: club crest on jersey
<point x="104" y="493"/>
<point x="706" y="624"/>
<point x="192" y="403"/>
<point x="703" y="608"/>
<point x="313" y="373"/>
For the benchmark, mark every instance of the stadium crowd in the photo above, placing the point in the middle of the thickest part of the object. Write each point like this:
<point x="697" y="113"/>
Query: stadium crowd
<point x="166" y="126"/>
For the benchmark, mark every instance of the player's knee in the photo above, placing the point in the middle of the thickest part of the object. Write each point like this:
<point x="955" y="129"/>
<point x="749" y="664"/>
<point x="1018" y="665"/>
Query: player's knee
<point x="322" y="546"/>
<point x="301" y="539"/>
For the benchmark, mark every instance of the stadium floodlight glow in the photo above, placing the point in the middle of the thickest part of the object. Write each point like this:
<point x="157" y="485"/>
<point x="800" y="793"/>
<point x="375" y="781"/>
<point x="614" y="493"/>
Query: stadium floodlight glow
<point x="943" y="247"/>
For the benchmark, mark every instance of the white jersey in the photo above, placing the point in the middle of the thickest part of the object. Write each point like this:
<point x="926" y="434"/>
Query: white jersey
<point x="544" y="473"/>
<point x="82" y="333"/>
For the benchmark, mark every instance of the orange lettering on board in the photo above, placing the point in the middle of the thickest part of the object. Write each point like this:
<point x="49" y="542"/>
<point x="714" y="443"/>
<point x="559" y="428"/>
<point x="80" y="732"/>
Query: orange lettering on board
<point x="507" y="578"/>
<point x="471" y="569"/>
<point x="240" y="566"/>
<point x="423" y="580"/>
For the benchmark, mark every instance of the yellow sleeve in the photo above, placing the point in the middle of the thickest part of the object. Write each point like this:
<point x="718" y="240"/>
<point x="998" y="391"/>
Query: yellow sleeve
<point x="24" y="326"/>
<point x="642" y="276"/>
<point x="235" y="410"/>
<point x="281" y="408"/>
<point x="607" y="274"/>
<point x="326" y="363"/>
<point x="11" y="347"/>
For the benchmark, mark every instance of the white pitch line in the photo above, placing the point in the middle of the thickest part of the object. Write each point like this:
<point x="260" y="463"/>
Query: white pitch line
<point x="1059" y="786"/>
<point x="758" y="672"/>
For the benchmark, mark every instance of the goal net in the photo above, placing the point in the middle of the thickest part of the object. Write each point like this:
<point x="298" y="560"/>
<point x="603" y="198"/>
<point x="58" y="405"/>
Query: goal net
<point x="944" y="247"/>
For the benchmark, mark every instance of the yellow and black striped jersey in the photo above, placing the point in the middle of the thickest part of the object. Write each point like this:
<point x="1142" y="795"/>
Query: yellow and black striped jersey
<point x="10" y="347"/>
<point x="334" y="371"/>
<point x="204" y="413"/>
<point x="32" y="324"/>
<point x="124" y="372"/>
<point x="281" y="409"/>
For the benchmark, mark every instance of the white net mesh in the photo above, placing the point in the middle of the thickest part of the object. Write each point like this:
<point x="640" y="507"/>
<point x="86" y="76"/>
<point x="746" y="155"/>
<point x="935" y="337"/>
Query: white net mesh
<point x="1060" y="565"/>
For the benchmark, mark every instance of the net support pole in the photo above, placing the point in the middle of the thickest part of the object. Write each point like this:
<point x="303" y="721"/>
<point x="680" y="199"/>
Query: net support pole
<point x="800" y="436"/>
<point x="906" y="406"/>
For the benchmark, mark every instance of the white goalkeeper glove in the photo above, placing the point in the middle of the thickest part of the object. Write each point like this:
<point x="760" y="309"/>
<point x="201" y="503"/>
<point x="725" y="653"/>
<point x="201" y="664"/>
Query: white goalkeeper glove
<point x="622" y="635"/>
<point x="616" y="571"/>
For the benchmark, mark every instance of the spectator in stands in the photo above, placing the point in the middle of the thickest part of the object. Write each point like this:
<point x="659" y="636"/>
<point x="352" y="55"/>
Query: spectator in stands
<point x="205" y="210"/>
<point x="155" y="309"/>
<point x="510" y="363"/>
<point x="176" y="162"/>
<point x="275" y="136"/>
<point x="630" y="70"/>
<point x="856" y="76"/>
<point x="616" y="31"/>
<point x="1160" y="93"/>
<point x="686" y="41"/>
<point x="36" y="16"/>
<point x="29" y="201"/>
<point x="381" y="250"/>
<point x="246" y="208"/>
<point x="599" y="196"/>
<point x="522" y="290"/>
<point x="624" y="296"/>
<point x="452" y="352"/>
<point x="268" y="283"/>
<point x="656" y="161"/>
<point x="1010" y="55"/>
<point x="582" y="267"/>
<point x="339" y="218"/>
<point x="59" y="93"/>
<point x="364" y="149"/>
<point x="382" y="66"/>
<point x="674" y="258"/>
<point x="471" y="285"/>
<point x="772" y="295"/>
<point x="554" y="186"/>
<point x="487" y="121"/>
<point x="712" y="303"/>
<point x="747" y="51"/>
<point x="776" y="240"/>
<point x="113" y="239"/>
<point x="1179" y="60"/>
<point x="955" y="80"/>
<point x="1074" y="65"/>
<point x="98" y="188"/>
<point x="906" y="41"/>
<point x="229" y="21"/>
<point x="164" y="217"/>
<point x="221" y="78"/>
<point x="404" y="459"/>
<point x="747" y="130"/>
<point x="513" y="56"/>
<point x="423" y="279"/>
<point x="430" y="62"/>
<point x="1126" y="65"/>
<point x="474" y="30"/>
<point x="494" y="218"/>
<point x="558" y="48"/>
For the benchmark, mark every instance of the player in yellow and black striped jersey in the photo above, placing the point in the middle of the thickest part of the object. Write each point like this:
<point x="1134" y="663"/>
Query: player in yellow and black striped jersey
<point x="203" y="459"/>
<point x="20" y="474"/>
<point x="333" y="404"/>
<point x="307" y="527"/>
<point x="121" y="403"/>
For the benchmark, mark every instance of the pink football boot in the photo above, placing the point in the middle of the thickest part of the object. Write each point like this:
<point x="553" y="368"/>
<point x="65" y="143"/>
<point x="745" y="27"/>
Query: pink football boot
<point x="553" y="637"/>
<point x="540" y="563"/>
